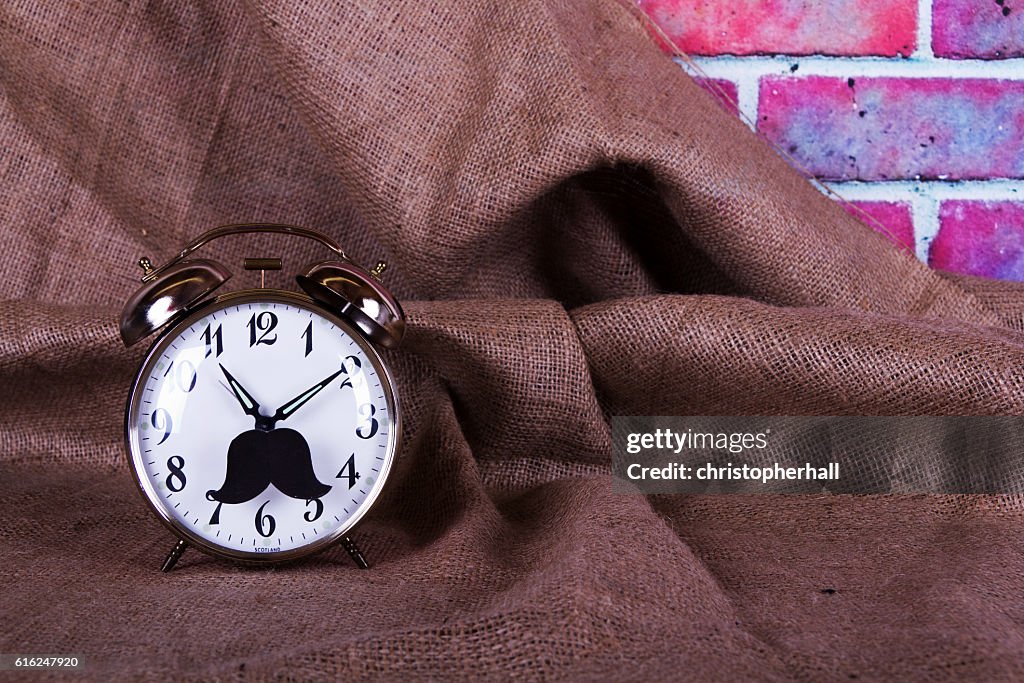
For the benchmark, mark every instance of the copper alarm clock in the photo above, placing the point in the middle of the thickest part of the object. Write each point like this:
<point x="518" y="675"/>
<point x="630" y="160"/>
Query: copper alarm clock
<point x="262" y="424"/>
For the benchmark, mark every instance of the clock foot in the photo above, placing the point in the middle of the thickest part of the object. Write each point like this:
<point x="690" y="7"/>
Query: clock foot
<point x="353" y="551"/>
<point x="174" y="556"/>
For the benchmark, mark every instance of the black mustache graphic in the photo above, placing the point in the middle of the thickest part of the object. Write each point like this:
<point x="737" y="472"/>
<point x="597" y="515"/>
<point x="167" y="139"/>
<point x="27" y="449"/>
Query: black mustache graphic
<point x="257" y="459"/>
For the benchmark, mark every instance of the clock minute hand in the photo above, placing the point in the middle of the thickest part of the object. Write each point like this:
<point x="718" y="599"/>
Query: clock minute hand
<point x="297" y="402"/>
<point x="248" y="403"/>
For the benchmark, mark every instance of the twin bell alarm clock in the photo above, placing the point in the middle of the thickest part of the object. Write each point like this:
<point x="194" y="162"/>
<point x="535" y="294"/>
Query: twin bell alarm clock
<point x="262" y="424"/>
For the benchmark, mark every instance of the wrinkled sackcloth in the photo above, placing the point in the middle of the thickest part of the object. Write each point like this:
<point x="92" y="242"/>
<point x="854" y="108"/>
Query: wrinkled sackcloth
<point x="577" y="231"/>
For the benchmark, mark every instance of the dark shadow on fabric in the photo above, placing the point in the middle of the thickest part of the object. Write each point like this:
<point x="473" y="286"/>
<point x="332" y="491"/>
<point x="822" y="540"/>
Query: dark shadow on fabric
<point x="624" y="200"/>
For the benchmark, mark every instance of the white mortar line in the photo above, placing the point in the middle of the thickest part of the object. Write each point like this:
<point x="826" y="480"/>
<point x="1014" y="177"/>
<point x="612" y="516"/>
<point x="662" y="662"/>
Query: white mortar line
<point x="734" y="68"/>
<point x="924" y="31"/>
<point x="995" y="190"/>
<point x="747" y="93"/>
<point x="925" y="212"/>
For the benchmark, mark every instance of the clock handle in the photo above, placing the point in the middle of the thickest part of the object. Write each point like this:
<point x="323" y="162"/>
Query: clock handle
<point x="239" y="228"/>
<point x="173" y="288"/>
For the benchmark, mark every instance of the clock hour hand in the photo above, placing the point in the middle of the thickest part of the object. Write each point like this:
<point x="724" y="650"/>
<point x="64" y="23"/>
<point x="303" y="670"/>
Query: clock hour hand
<point x="297" y="402"/>
<point x="248" y="403"/>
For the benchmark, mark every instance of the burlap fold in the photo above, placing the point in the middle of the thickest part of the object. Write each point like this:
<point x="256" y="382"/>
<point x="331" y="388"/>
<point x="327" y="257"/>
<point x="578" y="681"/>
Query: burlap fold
<point x="578" y="231"/>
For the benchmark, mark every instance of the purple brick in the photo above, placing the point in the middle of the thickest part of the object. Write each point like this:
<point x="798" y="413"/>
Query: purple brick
<point x="982" y="29"/>
<point x="892" y="219"/>
<point x="795" y="27"/>
<point x="980" y="238"/>
<point x="886" y="128"/>
<point x="724" y="92"/>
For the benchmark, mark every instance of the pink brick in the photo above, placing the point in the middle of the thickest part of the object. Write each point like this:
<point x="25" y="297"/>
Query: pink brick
<point x="885" y="128"/>
<point x="795" y="27"/>
<point x="980" y="238"/>
<point x="724" y="91"/>
<point x="892" y="219"/>
<point x="985" y="29"/>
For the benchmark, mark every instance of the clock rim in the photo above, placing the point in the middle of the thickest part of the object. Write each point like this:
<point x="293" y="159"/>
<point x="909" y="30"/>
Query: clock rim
<point x="134" y="456"/>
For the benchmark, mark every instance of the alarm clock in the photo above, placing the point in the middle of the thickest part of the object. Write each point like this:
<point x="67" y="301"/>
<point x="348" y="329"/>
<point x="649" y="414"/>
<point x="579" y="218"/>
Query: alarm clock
<point x="263" y="423"/>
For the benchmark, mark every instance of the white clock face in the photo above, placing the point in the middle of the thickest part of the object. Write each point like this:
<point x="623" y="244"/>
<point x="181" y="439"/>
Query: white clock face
<point x="262" y="427"/>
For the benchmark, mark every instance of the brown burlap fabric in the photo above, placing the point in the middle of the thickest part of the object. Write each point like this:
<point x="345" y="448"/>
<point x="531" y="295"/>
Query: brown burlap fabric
<point x="578" y="232"/>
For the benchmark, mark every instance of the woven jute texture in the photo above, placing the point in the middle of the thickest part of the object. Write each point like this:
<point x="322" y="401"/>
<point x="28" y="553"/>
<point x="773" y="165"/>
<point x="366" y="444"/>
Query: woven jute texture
<point x="578" y="232"/>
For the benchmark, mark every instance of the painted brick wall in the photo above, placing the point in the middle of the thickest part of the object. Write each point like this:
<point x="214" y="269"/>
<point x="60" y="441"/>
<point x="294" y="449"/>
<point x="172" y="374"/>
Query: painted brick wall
<point x="911" y="109"/>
